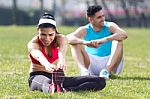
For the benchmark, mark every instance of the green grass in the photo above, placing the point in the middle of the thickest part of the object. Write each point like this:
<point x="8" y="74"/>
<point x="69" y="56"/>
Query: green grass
<point x="133" y="83"/>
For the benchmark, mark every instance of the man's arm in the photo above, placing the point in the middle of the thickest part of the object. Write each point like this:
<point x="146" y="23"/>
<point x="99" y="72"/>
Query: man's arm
<point x="77" y="36"/>
<point x="118" y="34"/>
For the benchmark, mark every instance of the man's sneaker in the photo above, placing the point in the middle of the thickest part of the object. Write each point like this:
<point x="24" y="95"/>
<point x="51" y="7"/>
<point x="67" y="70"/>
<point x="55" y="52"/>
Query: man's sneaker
<point x="85" y="73"/>
<point x="104" y="73"/>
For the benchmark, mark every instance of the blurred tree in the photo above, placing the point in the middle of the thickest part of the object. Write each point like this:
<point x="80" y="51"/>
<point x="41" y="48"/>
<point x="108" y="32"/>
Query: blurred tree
<point x="141" y="15"/>
<point x="108" y="11"/>
<point x="87" y="3"/>
<point x="54" y="10"/>
<point x="14" y="12"/>
<point x="90" y="2"/>
<point x="123" y="2"/>
<point x="95" y="2"/>
<point x="42" y="6"/>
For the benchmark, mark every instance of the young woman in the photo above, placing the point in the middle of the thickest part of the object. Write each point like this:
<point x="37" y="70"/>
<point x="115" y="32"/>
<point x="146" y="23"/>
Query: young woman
<point x="47" y="51"/>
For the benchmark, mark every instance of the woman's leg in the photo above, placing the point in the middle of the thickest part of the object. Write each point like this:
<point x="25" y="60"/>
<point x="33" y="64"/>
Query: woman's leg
<point x="84" y="83"/>
<point x="40" y="83"/>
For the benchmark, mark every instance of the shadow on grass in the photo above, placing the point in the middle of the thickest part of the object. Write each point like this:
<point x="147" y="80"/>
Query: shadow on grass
<point x="128" y="78"/>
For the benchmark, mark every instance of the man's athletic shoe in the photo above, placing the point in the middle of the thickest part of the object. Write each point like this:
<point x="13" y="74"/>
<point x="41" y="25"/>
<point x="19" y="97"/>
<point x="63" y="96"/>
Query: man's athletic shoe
<point x="85" y="73"/>
<point x="104" y="73"/>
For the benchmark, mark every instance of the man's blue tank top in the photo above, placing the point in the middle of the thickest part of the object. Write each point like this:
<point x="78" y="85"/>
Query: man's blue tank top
<point x="105" y="48"/>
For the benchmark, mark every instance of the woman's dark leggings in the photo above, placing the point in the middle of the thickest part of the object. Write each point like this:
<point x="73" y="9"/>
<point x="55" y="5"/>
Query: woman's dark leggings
<point x="42" y="83"/>
<point x="84" y="83"/>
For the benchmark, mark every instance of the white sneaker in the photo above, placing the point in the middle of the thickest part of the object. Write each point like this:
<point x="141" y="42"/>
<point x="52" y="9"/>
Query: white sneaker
<point x="84" y="73"/>
<point x="104" y="73"/>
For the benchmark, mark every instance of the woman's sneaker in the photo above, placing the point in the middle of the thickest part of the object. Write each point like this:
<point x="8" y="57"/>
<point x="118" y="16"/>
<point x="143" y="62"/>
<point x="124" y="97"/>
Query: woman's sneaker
<point x="104" y="74"/>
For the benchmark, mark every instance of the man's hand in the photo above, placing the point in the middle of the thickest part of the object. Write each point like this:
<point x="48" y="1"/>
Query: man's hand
<point x="101" y="41"/>
<point x="95" y="43"/>
<point x="92" y="43"/>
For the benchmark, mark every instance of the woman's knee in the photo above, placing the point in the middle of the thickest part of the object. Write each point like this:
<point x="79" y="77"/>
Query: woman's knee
<point x="101" y="84"/>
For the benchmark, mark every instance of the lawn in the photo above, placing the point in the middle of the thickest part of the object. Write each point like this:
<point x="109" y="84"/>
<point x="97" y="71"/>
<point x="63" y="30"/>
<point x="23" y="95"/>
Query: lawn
<point x="133" y="83"/>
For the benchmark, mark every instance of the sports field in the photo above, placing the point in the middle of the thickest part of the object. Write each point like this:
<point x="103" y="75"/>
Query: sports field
<point x="133" y="83"/>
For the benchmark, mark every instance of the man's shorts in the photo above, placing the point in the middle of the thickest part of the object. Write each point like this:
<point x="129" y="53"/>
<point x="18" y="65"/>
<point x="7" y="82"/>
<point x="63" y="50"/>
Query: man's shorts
<point x="98" y="63"/>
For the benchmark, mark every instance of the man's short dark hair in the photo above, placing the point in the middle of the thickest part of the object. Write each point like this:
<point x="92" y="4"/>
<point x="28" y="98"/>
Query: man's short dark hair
<point x="93" y="9"/>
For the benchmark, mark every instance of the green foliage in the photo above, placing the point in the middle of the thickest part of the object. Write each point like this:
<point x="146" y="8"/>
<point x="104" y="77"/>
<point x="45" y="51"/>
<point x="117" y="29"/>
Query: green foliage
<point x="133" y="83"/>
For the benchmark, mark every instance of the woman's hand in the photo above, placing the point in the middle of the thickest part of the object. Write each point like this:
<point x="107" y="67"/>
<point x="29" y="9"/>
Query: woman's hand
<point x="61" y="64"/>
<point x="51" y="68"/>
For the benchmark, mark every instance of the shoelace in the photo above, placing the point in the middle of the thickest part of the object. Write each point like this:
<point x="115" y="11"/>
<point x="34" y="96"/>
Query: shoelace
<point x="57" y="81"/>
<point x="105" y="73"/>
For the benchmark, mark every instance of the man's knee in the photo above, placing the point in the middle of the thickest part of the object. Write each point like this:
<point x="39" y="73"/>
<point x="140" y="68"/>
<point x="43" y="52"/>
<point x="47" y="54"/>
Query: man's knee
<point x="117" y="44"/>
<point x="120" y="44"/>
<point x="76" y="46"/>
<point x="117" y="47"/>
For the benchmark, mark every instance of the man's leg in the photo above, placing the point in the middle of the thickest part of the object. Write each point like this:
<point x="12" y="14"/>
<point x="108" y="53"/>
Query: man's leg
<point x="115" y="56"/>
<point x="81" y="58"/>
<point x="114" y="59"/>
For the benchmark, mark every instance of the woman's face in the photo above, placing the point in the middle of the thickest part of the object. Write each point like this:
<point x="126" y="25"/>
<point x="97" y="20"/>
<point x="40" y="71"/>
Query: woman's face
<point x="46" y="35"/>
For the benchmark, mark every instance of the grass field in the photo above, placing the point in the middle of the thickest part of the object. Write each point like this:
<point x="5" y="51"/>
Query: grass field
<point x="133" y="83"/>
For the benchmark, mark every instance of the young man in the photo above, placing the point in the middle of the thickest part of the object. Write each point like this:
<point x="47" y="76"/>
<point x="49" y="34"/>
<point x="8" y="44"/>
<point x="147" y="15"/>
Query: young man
<point x="103" y="42"/>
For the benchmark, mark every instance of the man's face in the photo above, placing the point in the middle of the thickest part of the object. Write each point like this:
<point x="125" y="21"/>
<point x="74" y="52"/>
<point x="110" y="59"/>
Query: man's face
<point x="98" y="19"/>
<point x="46" y="35"/>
